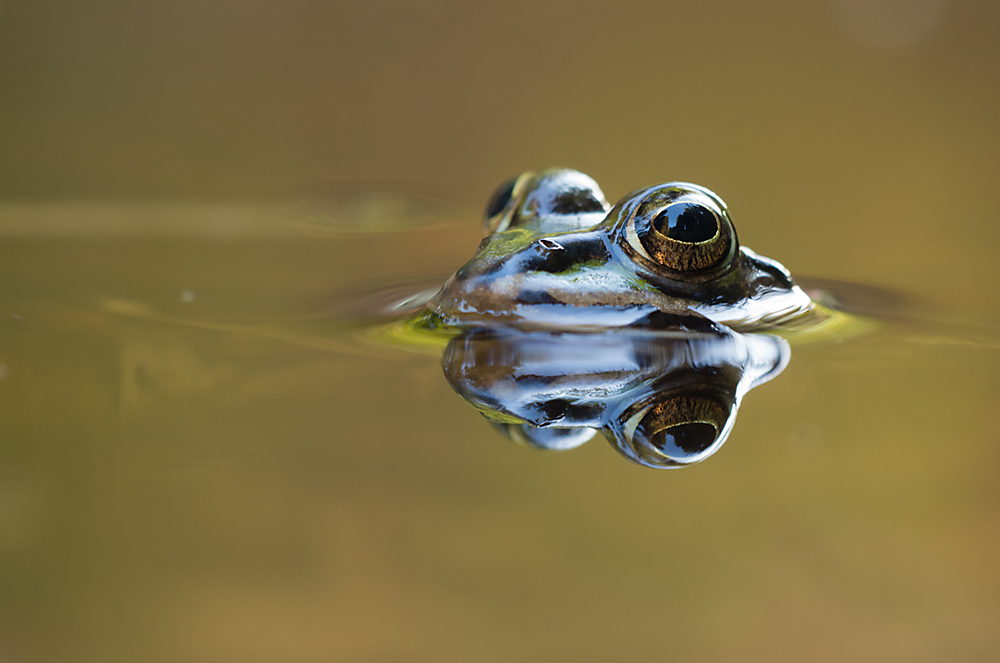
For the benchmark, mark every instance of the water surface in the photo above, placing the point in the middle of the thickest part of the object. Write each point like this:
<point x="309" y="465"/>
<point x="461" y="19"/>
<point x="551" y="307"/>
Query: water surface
<point x="206" y="456"/>
<point x="217" y="461"/>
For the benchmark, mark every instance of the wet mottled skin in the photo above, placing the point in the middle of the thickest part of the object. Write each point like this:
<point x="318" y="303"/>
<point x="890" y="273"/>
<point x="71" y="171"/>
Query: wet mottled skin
<point x="559" y="257"/>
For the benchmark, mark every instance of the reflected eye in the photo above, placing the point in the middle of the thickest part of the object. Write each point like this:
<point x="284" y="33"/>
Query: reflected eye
<point x="684" y="439"/>
<point x="500" y="198"/>
<point x="682" y="427"/>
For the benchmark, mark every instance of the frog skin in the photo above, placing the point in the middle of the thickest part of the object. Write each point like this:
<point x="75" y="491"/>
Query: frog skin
<point x="559" y="257"/>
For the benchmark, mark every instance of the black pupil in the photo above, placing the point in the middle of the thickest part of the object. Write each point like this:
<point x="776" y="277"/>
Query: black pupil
<point x="687" y="222"/>
<point x="684" y="439"/>
<point x="500" y="198"/>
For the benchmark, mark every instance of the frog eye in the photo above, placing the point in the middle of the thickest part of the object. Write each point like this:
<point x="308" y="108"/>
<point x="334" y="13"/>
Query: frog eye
<point x="552" y="200"/>
<point x="561" y="192"/>
<point x="684" y="236"/>
<point x="678" y="430"/>
<point x="683" y="229"/>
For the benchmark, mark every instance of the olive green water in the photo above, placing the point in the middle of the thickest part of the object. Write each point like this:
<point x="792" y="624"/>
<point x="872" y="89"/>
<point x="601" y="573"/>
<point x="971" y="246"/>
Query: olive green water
<point x="205" y="457"/>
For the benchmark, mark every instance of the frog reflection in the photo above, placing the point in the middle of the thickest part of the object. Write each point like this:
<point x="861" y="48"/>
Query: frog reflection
<point x="666" y="399"/>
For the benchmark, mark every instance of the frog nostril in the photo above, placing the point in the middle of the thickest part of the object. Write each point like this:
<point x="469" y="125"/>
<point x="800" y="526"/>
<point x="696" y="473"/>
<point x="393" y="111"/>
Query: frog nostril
<point x="552" y="258"/>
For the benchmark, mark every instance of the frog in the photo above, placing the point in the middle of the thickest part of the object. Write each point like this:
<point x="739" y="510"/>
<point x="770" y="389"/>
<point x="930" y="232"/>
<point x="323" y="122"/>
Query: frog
<point x="645" y="320"/>
<point x="558" y="256"/>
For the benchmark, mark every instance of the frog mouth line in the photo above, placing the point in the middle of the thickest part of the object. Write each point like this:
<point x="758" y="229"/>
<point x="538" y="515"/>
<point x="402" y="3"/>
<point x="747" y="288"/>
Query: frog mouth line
<point x="767" y="311"/>
<point x="530" y="302"/>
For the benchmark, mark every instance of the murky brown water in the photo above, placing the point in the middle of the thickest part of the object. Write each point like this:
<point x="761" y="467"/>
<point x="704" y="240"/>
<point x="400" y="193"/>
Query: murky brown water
<point x="204" y="456"/>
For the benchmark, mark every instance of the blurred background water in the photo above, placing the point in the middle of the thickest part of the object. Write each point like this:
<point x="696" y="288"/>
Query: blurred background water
<point x="204" y="457"/>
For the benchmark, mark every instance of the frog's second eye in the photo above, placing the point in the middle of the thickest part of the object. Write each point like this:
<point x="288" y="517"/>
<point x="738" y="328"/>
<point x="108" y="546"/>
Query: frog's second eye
<point x="684" y="233"/>
<point x="554" y="200"/>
